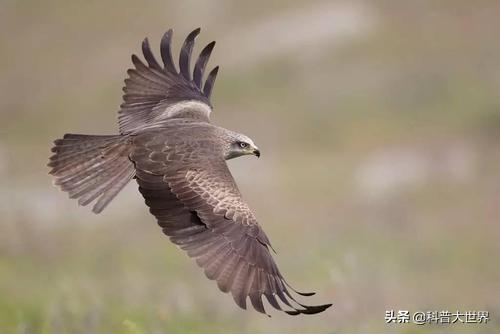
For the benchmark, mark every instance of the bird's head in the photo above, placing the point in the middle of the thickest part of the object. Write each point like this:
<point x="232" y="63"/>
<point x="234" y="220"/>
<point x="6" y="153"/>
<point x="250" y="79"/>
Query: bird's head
<point x="238" y="145"/>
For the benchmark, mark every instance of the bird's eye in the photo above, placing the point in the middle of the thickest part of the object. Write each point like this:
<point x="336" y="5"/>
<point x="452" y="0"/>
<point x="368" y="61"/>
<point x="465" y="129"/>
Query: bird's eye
<point x="243" y="144"/>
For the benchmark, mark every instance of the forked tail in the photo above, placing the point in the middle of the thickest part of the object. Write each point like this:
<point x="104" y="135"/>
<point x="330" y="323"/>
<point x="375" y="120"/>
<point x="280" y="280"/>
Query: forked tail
<point x="91" y="167"/>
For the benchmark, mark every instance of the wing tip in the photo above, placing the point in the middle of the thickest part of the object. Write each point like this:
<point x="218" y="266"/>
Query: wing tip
<point x="185" y="54"/>
<point x="184" y="60"/>
<point x="309" y="310"/>
<point x="167" y="35"/>
<point x="209" y="83"/>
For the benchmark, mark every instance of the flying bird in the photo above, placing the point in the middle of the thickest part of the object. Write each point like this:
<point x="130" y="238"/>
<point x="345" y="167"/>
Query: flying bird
<point x="178" y="157"/>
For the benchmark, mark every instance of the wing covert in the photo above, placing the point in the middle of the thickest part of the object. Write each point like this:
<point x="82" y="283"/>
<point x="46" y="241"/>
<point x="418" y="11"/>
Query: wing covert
<point x="200" y="208"/>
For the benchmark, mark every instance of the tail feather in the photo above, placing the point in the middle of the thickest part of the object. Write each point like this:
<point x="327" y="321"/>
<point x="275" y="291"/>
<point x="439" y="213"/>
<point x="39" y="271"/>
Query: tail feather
<point x="92" y="168"/>
<point x="68" y="152"/>
<point x="72" y="176"/>
<point x="115" y="188"/>
<point x="95" y="191"/>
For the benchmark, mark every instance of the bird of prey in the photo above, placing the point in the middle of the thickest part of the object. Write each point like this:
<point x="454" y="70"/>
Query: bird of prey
<point x="168" y="144"/>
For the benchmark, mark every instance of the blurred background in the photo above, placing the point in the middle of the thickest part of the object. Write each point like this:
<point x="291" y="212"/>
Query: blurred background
<point x="379" y="124"/>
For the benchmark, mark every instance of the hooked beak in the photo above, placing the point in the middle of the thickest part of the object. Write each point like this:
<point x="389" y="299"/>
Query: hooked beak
<point x="256" y="152"/>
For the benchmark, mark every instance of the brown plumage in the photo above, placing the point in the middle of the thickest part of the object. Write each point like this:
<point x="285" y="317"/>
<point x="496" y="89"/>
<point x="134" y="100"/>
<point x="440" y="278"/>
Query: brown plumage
<point x="167" y="143"/>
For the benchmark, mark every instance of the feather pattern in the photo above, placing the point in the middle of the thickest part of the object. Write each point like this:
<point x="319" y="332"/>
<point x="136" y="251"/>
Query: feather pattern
<point x="153" y="93"/>
<point x="201" y="63"/>
<point x="178" y="179"/>
<point x="185" y="54"/>
<point x="91" y="168"/>
<point x="209" y="84"/>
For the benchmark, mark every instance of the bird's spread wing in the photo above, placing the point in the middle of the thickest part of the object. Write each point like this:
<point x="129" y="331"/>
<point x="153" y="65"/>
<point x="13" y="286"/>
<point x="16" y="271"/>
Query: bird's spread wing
<point x="200" y="208"/>
<point x="154" y="92"/>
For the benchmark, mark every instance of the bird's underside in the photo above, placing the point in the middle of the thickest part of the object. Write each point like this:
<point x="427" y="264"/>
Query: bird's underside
<point x="178" y="158"/>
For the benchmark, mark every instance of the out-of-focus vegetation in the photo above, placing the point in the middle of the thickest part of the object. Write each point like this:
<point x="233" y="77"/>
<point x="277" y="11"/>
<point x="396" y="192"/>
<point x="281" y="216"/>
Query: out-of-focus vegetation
<point x="379" y="184"/>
